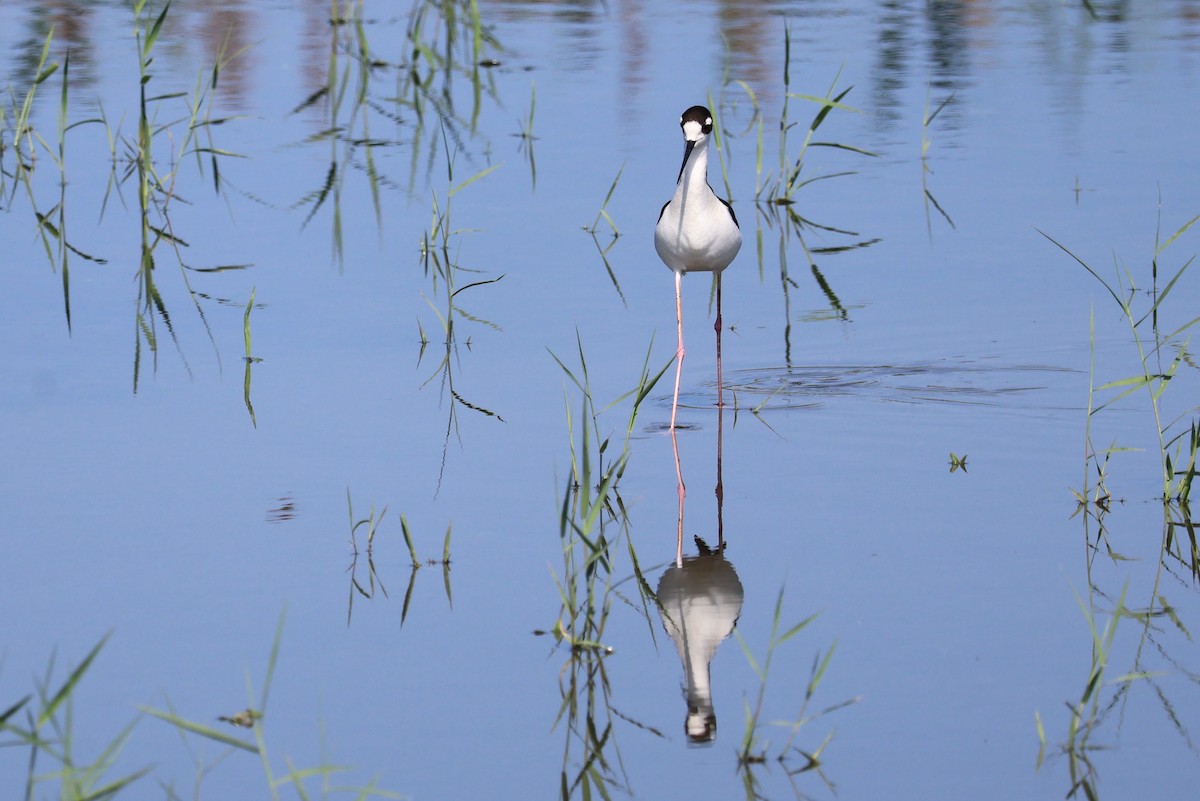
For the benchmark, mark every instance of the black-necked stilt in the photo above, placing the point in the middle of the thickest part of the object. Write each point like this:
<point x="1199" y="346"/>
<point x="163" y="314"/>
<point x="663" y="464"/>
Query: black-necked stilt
<point x="696" y="231"/>
<point x="700" y="600"/>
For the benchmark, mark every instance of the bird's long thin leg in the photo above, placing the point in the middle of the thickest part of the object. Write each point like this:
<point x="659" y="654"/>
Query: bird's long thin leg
<point x="720" y="490"/>
<point x="720" y="382"/>
<point x="682" y="494"/>
<point x="674" y="408"/>
<point x="678" y="350"/>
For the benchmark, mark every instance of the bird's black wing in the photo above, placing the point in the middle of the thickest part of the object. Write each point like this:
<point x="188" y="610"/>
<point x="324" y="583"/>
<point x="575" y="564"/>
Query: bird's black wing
<point x="663" y="211"/>
<point x="731" y="214"/>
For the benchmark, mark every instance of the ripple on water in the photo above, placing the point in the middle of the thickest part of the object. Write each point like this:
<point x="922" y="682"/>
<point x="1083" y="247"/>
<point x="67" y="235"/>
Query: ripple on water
<point x="954" y="381"/>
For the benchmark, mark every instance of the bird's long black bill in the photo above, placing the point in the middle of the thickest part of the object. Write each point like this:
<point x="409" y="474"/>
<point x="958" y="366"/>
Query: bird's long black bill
<point x="687" y="151"/>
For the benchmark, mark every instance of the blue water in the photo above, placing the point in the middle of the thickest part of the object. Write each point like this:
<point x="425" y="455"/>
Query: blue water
<point x="951" y="596"/>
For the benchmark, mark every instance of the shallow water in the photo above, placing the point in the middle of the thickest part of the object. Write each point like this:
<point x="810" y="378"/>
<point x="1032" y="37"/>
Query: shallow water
<point x="160" y="489"/>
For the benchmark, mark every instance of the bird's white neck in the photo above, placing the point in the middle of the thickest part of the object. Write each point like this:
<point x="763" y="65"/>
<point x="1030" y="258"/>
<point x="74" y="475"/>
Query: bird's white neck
<point x="695" y="173"/>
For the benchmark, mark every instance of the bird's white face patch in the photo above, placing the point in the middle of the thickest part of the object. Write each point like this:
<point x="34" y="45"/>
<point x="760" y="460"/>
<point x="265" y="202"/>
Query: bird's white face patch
<point x="692" y="130"/>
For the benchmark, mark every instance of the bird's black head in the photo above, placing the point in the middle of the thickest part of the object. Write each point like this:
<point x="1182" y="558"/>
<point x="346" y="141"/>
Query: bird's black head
<point x="699" y="115"/>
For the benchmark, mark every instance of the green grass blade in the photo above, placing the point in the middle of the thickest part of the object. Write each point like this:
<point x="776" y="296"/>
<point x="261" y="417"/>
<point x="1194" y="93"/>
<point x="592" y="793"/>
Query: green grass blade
<point x="1181" y="329"/>
<point x="1041" y="732"/>
<point x="408" y="540"/>
<point x="69" y="685"/>
<point x="796" y="629"/>
<point x="1084" y="264"/>
<point x="198" y="728"/>
<point x="819" y="672"/>
<point x="851" y="148"/>
<point x="12" y="710"/>
<point x="455" y="189"/>
<point x="1177" y="234"/>
<point x="152" y="36"/>
<point x="272" y="660"/>
<point x="112" y="788"/>
<point x="1133" y="382"/>
<point x="1166" y="291"/>
<point x="246" y="321"/>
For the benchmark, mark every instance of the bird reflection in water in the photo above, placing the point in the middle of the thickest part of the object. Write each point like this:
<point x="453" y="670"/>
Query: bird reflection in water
<point x="699" y="600"/>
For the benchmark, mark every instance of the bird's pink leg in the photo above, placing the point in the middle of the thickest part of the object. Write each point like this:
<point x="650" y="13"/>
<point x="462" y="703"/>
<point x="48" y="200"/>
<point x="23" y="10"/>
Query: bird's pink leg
<point x="720" y="383"/>
<point x="674" y="408"/>
<point x="678" y="350"/>
<point x="682" y="494"/>
<point x="720" y="490"/>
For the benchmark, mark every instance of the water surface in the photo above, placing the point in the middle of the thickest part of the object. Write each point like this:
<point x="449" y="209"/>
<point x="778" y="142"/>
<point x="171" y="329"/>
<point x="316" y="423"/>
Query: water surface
<point x="156" y="492"/>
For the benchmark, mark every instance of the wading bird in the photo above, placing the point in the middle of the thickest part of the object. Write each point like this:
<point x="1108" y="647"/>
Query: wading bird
<point x="697" y="231"/>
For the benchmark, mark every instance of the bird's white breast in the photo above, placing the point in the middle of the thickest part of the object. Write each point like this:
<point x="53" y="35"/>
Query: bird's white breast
<point x="696" y="231"/>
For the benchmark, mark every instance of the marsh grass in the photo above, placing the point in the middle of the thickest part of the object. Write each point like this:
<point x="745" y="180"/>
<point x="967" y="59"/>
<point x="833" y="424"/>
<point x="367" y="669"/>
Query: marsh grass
<point x="48" y="731"/>
<point x="52" y="222"/>
<point x="1087" y="714"/>
<point x="249" y="358"/>
<point x="926" y="142"/>
<point x="370" y="524"/>
<point x="594" y="229"/>
<point x="583" y="461"/>
<point x="778" y="192"/>
<point x="152" y="158"/>
<point x="594" y="529"/>
<point x="781" y="188"/>
<point x="439" y="257"/>
<point x="157" y="184"/>
<point x="447" y="44"/>
<point x="1160" y="356"/>
<point x="417" y="564"/>
<point x="527" y="137"/>
<point x="366" y="589"/>
<point x="603" y="214"/>
<point x="15" y="119"/>
<point x="755" y="749"/>
<point x="45" y="722"/>
<point x="1163" y="360"/>
<point x="1163" y="357"/>
<point x="255" y="717"/>
<point x="446" y="41"/>
<point x="349" y="112"/>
